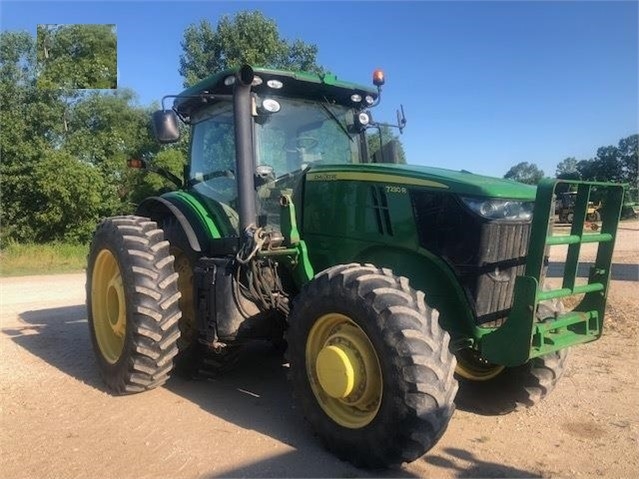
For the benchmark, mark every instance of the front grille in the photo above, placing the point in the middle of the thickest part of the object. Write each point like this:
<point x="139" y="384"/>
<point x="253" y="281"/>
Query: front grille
<point x="487" y="255"/>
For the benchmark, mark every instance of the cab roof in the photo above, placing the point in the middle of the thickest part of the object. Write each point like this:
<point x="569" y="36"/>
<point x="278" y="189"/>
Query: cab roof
<point x="294" y="84"/>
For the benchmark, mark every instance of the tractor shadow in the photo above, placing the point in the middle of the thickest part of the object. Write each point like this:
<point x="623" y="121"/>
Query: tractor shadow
<point x="447" y="462"/>
<point x="254" y="396"/>
<point x="59" y="336"/>
<point x="484" y="399"/>
<point x="473" y="466"/>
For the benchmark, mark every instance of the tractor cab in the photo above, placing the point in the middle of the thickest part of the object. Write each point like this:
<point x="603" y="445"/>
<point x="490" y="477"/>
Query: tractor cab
<point x="293" y="122"/>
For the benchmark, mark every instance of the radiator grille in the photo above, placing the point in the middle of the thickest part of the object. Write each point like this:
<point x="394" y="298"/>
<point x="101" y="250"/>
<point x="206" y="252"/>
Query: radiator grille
<point x="487" y="255"/>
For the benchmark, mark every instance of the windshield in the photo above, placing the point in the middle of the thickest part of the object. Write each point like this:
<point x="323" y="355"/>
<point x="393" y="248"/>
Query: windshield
<point x="305" y="133"/>
<point x="212" y="169"/>
<point x="301" y="134"/>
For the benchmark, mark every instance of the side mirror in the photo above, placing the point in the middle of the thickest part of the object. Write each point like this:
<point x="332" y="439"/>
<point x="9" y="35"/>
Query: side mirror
<point x="165" y="126"/>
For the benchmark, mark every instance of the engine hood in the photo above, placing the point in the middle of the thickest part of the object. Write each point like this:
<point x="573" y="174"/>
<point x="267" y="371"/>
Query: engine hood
<point x="458" y="182"/>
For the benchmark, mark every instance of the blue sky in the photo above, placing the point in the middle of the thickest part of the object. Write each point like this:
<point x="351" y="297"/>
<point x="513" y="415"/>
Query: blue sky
<point x="485" y="85"/>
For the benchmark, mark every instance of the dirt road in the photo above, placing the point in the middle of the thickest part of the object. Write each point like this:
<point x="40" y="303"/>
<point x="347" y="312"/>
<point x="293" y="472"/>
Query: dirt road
<point x="57" y="421"/>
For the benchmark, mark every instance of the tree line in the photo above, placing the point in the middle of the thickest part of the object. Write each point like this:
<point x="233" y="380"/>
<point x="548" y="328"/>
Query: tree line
<point x="77" y="56"/>
<point x="64" y="151"/>
<point x="610" y="163"/>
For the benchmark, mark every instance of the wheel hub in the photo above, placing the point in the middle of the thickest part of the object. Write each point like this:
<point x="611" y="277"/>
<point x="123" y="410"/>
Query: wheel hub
<point x="337" y="371"/>
<point x="108" y="306"/>
<point x="471" y="365"/>
<point x="115" y="306"/>
<point x="345" y="372"/>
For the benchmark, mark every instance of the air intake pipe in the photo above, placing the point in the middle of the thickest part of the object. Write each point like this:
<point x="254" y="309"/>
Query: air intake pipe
<point x="244" y="158"/>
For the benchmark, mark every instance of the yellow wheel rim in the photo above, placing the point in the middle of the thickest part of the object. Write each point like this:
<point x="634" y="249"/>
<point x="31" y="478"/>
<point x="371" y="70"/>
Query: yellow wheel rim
<point x="470" y="365"/>
<point x="344" y="371"/>
<point x="188" y="328"/>
<point x="108" y="306"/>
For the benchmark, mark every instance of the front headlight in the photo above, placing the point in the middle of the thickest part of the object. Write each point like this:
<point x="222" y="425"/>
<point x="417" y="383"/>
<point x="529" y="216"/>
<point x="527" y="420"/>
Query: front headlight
<point x="497" y="209"/>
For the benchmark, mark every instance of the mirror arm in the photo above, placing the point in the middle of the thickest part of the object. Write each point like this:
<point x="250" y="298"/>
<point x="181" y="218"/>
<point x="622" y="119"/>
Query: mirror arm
<point x="163" y="172"/>
<point x="168" y="175"/>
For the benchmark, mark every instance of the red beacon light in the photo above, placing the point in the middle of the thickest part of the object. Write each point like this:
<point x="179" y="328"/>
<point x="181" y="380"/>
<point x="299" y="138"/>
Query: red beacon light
<point x="378" y="77"/>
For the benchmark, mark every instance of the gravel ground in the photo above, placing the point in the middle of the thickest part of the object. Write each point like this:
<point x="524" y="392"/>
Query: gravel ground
<point x="57" y="420"/>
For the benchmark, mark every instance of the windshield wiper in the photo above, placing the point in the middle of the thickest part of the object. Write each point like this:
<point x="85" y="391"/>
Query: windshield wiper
<point x="210" y="176"/>
<point x="332" y="115"/>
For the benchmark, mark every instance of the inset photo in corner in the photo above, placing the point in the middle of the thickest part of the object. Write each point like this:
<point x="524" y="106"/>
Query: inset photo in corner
<point x="77" y="56"/>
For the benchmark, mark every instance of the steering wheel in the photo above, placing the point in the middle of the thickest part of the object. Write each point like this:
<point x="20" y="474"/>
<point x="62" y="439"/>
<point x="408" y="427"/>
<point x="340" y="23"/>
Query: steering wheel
<point x="300" y="143"/>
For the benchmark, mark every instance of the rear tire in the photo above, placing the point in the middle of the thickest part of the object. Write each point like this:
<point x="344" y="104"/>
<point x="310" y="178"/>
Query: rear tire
<point x="132" y="304"/>
<point x="184" y="262"/>
<point x="395" y="397"/>
<point x="194" y="360"/>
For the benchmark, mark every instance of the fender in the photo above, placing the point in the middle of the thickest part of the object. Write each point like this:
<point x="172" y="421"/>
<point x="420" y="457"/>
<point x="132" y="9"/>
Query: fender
<point x="207" y="230"/>
<point x="156" y="208"/>
<point x="429" y="274"/>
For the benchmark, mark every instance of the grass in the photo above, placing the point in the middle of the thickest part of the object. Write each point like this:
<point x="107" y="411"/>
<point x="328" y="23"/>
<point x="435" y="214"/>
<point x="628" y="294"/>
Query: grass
<point x="53" y="258"/>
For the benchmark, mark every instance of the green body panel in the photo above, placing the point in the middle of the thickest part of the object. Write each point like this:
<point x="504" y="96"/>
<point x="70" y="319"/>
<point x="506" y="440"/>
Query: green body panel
<point x="342" y="224"/>
<point x="460" y="182"/>
<point x="208" y="220"/>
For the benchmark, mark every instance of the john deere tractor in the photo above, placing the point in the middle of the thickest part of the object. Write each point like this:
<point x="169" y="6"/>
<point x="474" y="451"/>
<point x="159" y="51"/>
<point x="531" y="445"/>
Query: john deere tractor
<point x="388" y="283"/>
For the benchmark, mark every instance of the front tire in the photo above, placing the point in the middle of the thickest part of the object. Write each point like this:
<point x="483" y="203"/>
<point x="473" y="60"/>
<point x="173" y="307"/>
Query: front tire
<point x="370" y="365"/>
<point x="495" y="390"/>
<point x="132" y="304"/>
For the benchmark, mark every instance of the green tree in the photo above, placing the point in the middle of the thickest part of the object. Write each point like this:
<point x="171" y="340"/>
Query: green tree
<point x="67" y="198"/>
<point x="629" y="157"/>
<point x="567" y="169"/>
<point x="147" y="183"/>
<point x="248" y="37"/>
<point x="64" y="152"/>
<point x="106" y="130"/>
<point x="31" y="123"/>
<point x="77" y="56"/>
<point x="525" y="172"/>
<point x="613" y="163"/>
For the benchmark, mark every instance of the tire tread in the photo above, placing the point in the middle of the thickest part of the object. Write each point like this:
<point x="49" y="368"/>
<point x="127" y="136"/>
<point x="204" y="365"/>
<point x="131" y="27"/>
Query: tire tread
<point x="152" y="303"/>
<point x="417" y="348"/>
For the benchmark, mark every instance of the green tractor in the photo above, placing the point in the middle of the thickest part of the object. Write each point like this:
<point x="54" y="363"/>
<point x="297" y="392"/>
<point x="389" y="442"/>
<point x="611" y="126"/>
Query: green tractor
<point x="387" y="283"/>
